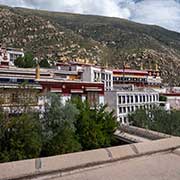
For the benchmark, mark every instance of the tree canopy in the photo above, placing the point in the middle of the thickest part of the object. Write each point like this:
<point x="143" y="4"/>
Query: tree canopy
<point x="44" y="63"/>
<point x="95" y="127"/>
<point x="61" y="128"/>
<point x="27" y="61"/>
<point x="58" y="127"/>
<point x="19" y="137"/>
<point x="157" y="119"/>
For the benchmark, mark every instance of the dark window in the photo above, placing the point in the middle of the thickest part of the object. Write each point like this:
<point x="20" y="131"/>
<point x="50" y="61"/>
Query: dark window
<point x="132" y="99"/>
<point x="120" y="110"/>
<point x="120" y="102"/>
<point x="132" y="108"/>
<point x="124" y="109"/>
<point x="144" y="98"/>
<point x="136" y="98"/>
<point x="147" y="97"/>
<point x="125" y="120"/>
<point x="154" y="98"/>
<point x="124" y="99"/>
<point x="128" y="99"/>
<point x="103" y="76"/>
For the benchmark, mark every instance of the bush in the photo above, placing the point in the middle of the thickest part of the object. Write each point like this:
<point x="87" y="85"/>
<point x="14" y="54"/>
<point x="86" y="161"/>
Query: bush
<point x="58" y="127"/>
<point x="27" y="61"/>
<point x="157" y="119"/>
<point x="44" y="63"/>
<point x="94" y="127"/>
<point x="20" y="137"/>
<point x="62" y="128"/>
<point x="162" y="98"/>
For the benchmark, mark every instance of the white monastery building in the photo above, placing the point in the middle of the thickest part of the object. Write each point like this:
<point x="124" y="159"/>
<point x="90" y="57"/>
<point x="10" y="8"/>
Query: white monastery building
<point x="128" y="99"/>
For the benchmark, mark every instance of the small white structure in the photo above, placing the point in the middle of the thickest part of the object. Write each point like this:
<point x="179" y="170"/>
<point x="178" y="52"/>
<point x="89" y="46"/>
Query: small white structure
<point x="154" y="81"/>
<point x="173" y="101"/>
<point x="98" y="74"/>
<point x="13" y="54"/>
<point x="129" y="100"/>
<point x="9" y="55"/>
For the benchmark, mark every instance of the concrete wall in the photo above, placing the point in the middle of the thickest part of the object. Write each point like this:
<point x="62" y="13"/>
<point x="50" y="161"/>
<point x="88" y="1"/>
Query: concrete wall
<point x="146" y="133"/>
<point x="110" y="98"/>
<point x="174" y="102"/>
<point x="75" y="161"/>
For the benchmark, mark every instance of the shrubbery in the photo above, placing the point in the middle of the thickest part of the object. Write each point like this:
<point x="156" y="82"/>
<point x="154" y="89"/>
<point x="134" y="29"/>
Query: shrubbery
<point x="157" y="119"/>
<point x="61" y="129"/>
<point x="28" y="61"/>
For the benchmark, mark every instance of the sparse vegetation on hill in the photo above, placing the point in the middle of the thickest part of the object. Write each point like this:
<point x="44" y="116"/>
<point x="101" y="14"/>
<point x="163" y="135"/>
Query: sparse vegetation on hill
<point x="63" y="36"/>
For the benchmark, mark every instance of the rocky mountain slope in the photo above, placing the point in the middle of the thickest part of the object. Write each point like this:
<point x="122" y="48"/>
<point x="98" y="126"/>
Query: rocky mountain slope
<point x="63" y="36"/>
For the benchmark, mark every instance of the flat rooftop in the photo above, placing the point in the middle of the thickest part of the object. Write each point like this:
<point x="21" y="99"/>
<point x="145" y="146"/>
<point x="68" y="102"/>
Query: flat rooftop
<point x="154" y="160"/>
<point x="163" y="166"/>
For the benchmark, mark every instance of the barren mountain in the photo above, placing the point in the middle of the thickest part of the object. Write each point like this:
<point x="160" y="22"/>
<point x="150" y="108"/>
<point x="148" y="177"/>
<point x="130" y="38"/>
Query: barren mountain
<point x="63" y="36"/>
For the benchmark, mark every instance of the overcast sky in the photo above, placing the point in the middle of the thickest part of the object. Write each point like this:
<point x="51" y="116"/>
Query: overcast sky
<point x="165" y="13"/>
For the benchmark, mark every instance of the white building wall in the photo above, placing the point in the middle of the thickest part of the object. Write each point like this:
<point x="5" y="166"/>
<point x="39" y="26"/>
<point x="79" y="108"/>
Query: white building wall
<point x="87" y="74"/>
<point x="101" y="100"/>
<point x="65" y="98"/>
<point x="127" y="102"/>
<point x="83" y="98"/>
<point x="111" y="100"/>
<point x="12" y="55"/>
<point x="107" y="79"/>
<point x="174" y="102"/>
<point x="96" y="74"/>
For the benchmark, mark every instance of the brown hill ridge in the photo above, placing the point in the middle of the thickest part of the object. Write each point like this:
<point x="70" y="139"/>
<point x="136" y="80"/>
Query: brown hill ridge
<point x="63" y="36"/>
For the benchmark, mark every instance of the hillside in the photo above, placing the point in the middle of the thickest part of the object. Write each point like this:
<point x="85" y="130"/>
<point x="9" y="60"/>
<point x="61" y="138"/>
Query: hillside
<point x="99" y="39"/>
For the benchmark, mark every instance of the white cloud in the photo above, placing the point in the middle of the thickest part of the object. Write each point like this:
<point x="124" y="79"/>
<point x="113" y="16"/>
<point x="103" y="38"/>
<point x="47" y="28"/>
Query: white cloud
<point x="165" y="13"/>
<point x="99" y="7"/>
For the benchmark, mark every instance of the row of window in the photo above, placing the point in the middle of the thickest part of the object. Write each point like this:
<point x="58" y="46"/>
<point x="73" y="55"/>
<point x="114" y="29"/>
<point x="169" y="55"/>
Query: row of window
<point x="154" y="84"/>
<point x="106" y="76"/>
<point x="20" y="97"/>
<point x="123" y="120"/>
<point x="126" y="109"/>
<point x="13" y="57"/>
<point x="121" y="79"/>
<point x="15" y="80"/>
<point x="107" y="83"/>
<point x="129" y="109"/>
<point x="137" y="99"/>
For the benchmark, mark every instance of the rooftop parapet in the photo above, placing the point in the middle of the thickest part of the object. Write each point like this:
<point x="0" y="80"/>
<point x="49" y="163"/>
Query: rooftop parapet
<point x="57" y="166"/>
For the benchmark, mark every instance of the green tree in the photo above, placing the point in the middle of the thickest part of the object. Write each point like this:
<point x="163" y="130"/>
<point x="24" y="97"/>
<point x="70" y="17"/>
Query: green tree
<point x="157" y="119"/>
<point x="140" y="118"/>
<point x="44" y="63"/>
<point x="162" y="98"/>
<point x="20" y="137"/>
<point x="95" y="127"/>
<point x="27" y="61"/>
<point x="58" y="127"/>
